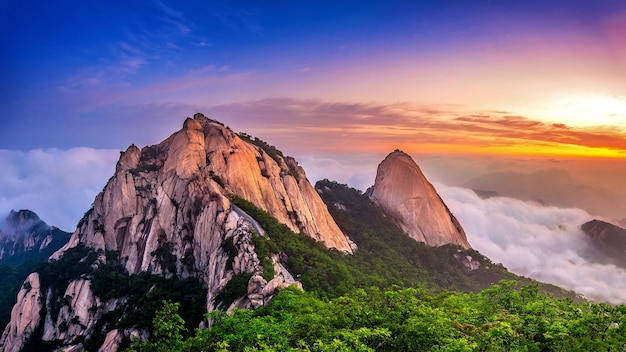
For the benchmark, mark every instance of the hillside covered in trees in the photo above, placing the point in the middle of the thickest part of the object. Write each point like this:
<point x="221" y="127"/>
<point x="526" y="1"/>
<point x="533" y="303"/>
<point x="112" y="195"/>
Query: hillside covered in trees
<point x="393" y="294"/>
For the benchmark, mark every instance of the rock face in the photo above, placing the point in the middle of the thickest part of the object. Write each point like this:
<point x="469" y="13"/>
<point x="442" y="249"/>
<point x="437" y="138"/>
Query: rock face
<point x="607" y="242"/>
<point x="402" y="191"/>
<point x="25" y="316"/>
<point x="173" y="198"/>
<point x="24" y="236"/>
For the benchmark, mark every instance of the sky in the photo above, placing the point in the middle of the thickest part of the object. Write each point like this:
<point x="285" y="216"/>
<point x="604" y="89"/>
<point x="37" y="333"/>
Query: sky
<point x="474" y="90"/>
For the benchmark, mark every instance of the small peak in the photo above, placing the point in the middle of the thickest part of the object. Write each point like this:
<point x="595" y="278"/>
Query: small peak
<point x="21" y="216"/>
<point x="402" y="191"/>
<point x="397" y="153"/>
<point x="192" y="124"/>
<point x="20" y="222"/>
<point x="128" y="159"/>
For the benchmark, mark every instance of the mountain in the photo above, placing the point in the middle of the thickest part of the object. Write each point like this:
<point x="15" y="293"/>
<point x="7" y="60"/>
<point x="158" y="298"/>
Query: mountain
<point x="607" y="242"/>
<point x="25" y="237"/>
<point x="402" y="191"/>
<point x="25" y="240"/>
<point x="165" y="226"/>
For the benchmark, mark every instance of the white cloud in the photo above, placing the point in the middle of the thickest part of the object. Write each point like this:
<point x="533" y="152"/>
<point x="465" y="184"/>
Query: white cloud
<point x="59" y="185"/>
<point x="544" y="243"/>
<point x="356" y="171"/>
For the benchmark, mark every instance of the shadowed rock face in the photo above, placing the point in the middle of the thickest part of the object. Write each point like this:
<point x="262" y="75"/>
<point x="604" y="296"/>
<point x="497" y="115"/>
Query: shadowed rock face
<point x="24" y="236"/>
<point x="607" y="241"/>
<point x="402" y="191"/>
<point x="176" y="193"/>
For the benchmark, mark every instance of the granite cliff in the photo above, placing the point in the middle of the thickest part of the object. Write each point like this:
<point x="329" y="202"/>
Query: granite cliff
<point x="403" y="193"/>
<point x="168" y="211"/>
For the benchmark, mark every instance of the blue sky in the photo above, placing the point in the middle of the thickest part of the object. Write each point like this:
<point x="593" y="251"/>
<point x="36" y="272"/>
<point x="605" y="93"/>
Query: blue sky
<point x="107" y="74"/>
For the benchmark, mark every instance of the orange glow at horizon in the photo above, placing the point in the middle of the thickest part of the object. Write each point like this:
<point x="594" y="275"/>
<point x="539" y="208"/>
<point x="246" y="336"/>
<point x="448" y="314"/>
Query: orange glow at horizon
<point x="380" y="128"/>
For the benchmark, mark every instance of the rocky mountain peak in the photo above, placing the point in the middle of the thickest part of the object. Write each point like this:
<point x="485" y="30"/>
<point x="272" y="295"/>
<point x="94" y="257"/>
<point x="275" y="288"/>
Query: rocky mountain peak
<point x="24" y="236"/>
<point x="22" y="221"/>
<point x="402" y="191"/>
<point x="169" y="211"/>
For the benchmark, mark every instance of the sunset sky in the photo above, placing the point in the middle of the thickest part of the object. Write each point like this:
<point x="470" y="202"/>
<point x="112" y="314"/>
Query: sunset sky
<point x="465" y="80"/>
<point x="456" y="77"/>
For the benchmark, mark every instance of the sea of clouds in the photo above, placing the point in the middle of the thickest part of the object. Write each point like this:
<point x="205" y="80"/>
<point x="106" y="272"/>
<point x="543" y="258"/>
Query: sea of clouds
<point x="541" y="242"/>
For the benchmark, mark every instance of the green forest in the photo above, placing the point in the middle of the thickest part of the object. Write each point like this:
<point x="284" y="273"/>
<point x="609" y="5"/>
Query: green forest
<point x="501" y="318"/>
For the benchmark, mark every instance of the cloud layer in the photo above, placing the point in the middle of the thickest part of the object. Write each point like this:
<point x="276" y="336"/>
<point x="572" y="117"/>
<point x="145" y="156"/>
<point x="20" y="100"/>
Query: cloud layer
<point x="58" y="185"/>
<point x="540" y="242"/>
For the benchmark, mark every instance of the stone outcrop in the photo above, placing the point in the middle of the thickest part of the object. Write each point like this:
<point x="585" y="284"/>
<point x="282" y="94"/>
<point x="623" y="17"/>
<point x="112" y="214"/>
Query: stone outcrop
<point x="25" y="315"/>
<point x="403" y="193"/>
<point x="175" y="198"/>
<point x="607" y="242"/>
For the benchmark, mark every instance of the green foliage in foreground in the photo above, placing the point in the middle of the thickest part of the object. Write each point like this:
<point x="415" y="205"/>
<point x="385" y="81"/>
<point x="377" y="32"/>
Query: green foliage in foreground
<point x="500" y="318"/>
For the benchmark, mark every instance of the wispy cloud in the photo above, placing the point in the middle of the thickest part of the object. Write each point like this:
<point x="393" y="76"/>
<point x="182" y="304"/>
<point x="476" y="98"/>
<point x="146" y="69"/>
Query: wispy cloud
<point x="59" y="185"/>
<point x="173" y="19"/>
<point x="371" y="127"/>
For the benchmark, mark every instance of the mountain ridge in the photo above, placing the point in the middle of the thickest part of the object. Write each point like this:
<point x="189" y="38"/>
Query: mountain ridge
<point x="167" y="212"/>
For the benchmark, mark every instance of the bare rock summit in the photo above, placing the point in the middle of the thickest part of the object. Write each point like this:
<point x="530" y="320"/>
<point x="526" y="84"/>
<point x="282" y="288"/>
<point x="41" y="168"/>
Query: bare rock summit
<point x="403" y="193"/>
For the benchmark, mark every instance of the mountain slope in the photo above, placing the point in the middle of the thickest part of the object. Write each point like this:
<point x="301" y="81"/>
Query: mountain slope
<point x="166" y="215"/>
<point x="212" y="219"/>
<point x="392" y="258"/>
<point x="25" y="240"/>
<point x="402" y="191"/>
<point x="607" y="242"/>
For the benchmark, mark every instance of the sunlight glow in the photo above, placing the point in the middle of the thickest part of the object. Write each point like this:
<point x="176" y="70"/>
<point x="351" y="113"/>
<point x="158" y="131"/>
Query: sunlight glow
<point x="587" y="110"/>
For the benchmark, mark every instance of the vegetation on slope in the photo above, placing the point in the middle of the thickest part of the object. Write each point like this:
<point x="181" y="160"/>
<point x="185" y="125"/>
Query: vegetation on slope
<point x="383" y="247"/>
<point x="11" y="279"/>
<point x="386" y="256"/>
<point x="500" y="318"/>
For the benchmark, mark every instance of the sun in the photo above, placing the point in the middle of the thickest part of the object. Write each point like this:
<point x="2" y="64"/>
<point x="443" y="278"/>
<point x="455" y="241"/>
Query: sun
<point x="587" y="110"/>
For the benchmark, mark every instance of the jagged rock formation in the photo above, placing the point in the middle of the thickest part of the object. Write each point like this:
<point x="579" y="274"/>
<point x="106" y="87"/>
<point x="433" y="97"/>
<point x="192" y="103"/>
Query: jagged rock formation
<point x="24" y="236"/>
<point x="402" y="191"/>
<point x="607" y="242"/>
<point x="167" y="211"/>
